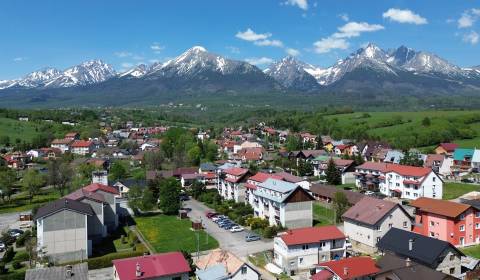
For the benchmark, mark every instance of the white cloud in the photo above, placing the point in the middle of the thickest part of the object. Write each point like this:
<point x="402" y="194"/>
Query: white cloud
<point x="126" y="65"/>
<point x="123" y="54"/>
<point x="471" y="38"/>
<point x="250" y="35"/>
<point x="344" y="16"/>
<point x="19" y="59"/>
<point x="302" y="4"/>
<point x="157" y="48"/>
<point x="233" y="49"/>
<point x="404" y="16"/>
<point x="325" y="45"/>
<point x="468" y="18"/>
<point x="292" y="52"/>
<point x="267" y="42"/>
<point x="354" y="29"/>
<point x="259" y="60"/>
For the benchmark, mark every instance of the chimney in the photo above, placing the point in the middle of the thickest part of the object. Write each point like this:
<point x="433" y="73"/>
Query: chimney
<point x="138" y="272"/>
<point x="345" y="270"/>
<point x="407" y="262"/>
<point x="410" y="244"/>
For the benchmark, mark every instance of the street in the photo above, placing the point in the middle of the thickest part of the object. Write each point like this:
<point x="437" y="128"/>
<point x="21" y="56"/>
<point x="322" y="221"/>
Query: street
<point x="233" y="242"/>
<point x="7" y="220"/>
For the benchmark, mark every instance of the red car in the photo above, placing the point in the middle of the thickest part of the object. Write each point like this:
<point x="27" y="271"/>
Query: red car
<point x="211" y="214"/>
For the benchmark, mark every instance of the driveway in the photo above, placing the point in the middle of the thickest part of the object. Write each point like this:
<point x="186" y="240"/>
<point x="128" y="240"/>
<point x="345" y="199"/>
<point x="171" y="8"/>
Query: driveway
<point x="233" y="242"/>
<point x="8" y="220"/>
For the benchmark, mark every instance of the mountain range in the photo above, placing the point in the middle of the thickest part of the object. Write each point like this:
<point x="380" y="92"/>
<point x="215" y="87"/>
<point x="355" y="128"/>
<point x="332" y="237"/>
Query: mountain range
<point x="197" y="72"/>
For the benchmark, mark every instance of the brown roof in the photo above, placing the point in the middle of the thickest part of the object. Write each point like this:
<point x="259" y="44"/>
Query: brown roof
<point x="311" y="235"/>
<point x="431" y="158"/>
<point x="369" y="210"/>
<point x="329" y="191"/>
<point x="184" y="170"/>
<point x="440" y="207"/>
<point x="219" y="256"/>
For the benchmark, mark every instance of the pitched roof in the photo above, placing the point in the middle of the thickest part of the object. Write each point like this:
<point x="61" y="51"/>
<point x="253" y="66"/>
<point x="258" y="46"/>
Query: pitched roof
<point x="460" y="154"/>
<point x="183" y="170"/>
<point x="278" y="185"/>
<point x="64" y="204"/>
<point x="289" y="177"/>
<point x="432" y="158"/>
<point x="151" y="266"/>
<point x="61" y="141"/>
<point x="81" y="144"/>
<point x="351" y="268"/>
<point x="425" y="250"/>
<point x="407" y="170"/>
<point x="311" y="235"/>
<point x="79" y="272"/>
<point x="96" y="186"/>
<point x="329" y="191"/>
<point x="369" y="210"/>
<point x="231" y="262"/>
<point x="262" y="177"/>
<point x="390" y="263"/>
<point x="236" y="171"/>
<point x="440" y="207"/>
<point x="81" y="194"/>
<point x="377" y="166"/>
<point x="449" y="147"/>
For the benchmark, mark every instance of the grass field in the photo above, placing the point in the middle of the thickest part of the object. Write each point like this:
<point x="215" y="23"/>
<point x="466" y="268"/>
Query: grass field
<point x="168" y="233"/>
<point x="322" y="216"/>
<point x="455" y="190"/>
<point x="18" y="129"/>
<point x="473" y="251"/>
<point x="22" y="203"/>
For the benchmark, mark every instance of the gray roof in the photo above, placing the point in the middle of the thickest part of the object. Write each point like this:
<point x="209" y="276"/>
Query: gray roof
<point x="80" y="272"/>
<point x="208" y="166"/>
<point x="64" y="204"/>
<point x="214" y="272"/>
<point x="278" y="185"/>
<point x="398" y="266"/>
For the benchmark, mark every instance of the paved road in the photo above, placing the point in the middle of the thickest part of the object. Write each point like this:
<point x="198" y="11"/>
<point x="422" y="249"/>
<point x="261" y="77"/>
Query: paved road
<point x="233" y="242"/>
<point x="7" y="220"/>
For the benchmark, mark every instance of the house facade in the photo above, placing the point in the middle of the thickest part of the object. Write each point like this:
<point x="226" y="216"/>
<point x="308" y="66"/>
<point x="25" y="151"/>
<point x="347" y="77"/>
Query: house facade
<point x="282" y="203"/>
<point x="81" y="147"/>
<point x="221" y="264"/>
<point x="303" y="248"/>
<point x="231" y="183"/>
<point x="366" y="222"/>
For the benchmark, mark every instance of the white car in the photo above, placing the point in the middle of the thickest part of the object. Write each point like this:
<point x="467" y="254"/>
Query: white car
<point x="369" y="193"/>
<point x="236" y="229"/>
<point x="2" y="246"/>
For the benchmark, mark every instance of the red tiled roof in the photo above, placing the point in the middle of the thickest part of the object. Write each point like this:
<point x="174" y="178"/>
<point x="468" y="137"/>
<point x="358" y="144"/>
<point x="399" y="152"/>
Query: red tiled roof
<point x="236" y="171"/>
<point x="250" y="186"/>
<point x="262" y="177"/>
<point x="81" y="144"/>
<point x="351" y="268"/>
<point x="289" y="177"/>
<point x="61" y="141"/>
<point x="311" y="235"/>
<point x="184" y="170"/>
<point x="377" y="166"/>
<point x="440" y="207"/>
<point x="343" y="162"/>
<point x="151" y="266"/>
<point x="95" y="187"/>
<point x="322" y="275"/>
<point x="408" y="170"/>
<point x="82" y="193"/>
<point x="231" y="180"/>
<point x="449" y="147"/>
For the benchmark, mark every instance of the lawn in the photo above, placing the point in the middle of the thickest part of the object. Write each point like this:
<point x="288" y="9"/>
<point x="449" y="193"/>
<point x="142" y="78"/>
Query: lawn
<point x="455" y="190"/>
<point x="322" y="216"/>
<point x="22" y="203"/>
<point x="473" y="251"/>
<point x="168" y="233"/>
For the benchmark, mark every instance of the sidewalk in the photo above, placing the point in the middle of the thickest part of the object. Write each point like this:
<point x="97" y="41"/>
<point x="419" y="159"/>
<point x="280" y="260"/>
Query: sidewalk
<point x="142" y="239"/>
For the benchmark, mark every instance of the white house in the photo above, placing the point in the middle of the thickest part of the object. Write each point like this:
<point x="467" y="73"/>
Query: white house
<point x="368" y="220"/>
<point x="61" y="144"/>
<point x="231" y="183"/>
<point x="303" y="248"/>
<point x="402" y="181"/>
<point x="81" y="147"/>
<point x="282" y="203"/>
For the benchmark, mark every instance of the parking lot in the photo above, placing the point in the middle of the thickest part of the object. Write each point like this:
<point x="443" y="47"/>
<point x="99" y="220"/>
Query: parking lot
<point x="234" y="242"/>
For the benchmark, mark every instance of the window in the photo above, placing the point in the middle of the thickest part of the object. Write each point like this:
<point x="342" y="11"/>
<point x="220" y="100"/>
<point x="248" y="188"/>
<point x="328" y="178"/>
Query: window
<point x="452" y="270"/>
<point x="322" y="244"/>
<point x="244" y="269"/>
<point x="433" y="179"/>
<point x="404" y="224"/>
<point x="177" y="278"/>
<point x="378" y="239"/>
<point x="397" y="184"/>
<point x="300" y="260"/>
<point x="432" y="234"/>
<point x="462" y="228"/>
<point x="390" y="225"/>
<point x="378" y="228"/>
<point x="415" y="194"/>
<point x="304" y="247"/>
<point x="432" y="223"/>
<point x="477" y="225"/>
<point x="324" y="258"/>
<point x="477" y="214"/>
<point x="462" y="217"/>
<point x="452" y="257"/>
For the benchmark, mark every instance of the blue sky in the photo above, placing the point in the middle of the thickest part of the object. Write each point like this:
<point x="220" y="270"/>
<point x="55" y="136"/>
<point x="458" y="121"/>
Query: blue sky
<point x="35" y="34"/>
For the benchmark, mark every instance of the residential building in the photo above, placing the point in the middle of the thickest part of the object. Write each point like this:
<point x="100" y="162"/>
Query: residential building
<point x="62" y="230"/>
<point x="395" y="267"/>
<point x="446" y="149"/>
<point x="394" y="156"/>
<point x="462" y="161"/>
<point x="303" y="248"/>
<point x="166" y="266"/>
<point x="221" y="264"/>
<point x="402" y="181"/>
<point x="434" y="253"/>
<point x="253" y="182"/>
<point x="283" y="203"/>
<point x="61" y="144"/>
<point x="476" y="160"/>
<point x="81" y="147"/>
<point x="326" y="193"/>
<point x="110" y="210"/>
<point x="70" y="272"/>
<point x="440" y="164"/>
<point x="366" y="222"/>
<point x="123" y="186"/>
<point x="345" y="166"/>
<point x="231" y="183"/>
<point x="346" y="269"/>
<point x="453" y="222"/>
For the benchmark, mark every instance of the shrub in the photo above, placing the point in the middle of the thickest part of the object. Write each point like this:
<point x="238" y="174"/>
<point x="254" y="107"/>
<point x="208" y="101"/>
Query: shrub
<point x="16" y="264"/>
<point x="124" y="240"/>
<point x="21" y="256"/>
<point x="9" y="254"/>
<point x="106" y="261"/>
<point x="2" y="268"/>
<point x="22" y="238"/>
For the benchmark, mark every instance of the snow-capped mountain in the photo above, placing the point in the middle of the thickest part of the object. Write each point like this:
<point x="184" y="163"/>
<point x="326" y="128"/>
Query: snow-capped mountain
<point x="293" y="74"/>
<point x="136" y="72"/>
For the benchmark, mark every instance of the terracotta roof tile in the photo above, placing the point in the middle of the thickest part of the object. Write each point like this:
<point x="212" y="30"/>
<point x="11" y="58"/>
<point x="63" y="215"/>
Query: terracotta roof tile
<point x="311" y="235"/>
<point x="440" y="207"/>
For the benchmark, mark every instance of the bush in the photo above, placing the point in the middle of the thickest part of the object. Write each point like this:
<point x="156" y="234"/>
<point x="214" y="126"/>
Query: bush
<point x="22" y="238"/>
<point x="17" y="275"/>
<point x="9" y="254"/>
<point x="16" y="265"/>
<point x="106" y="261"/>
<point x="257" y="223"/>
<point x="270" y="232"/>
<point x="21" y="256"/>
<point x="2" y="268"/>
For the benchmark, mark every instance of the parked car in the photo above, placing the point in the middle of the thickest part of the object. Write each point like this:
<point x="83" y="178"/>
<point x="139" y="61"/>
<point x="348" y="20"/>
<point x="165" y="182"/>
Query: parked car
<point x="186" y="209"/>
<point x="184" y="197"/>
<point x="229" y="226"/>
<point x="369" y="193"/>
<point x="252" y="237"/>
<point x="210" y="215"/>
<point x="236" y="229"/>
<point x="15" y="232"/>
<point x="2" y="246"/>
<point x="218" y="218"/>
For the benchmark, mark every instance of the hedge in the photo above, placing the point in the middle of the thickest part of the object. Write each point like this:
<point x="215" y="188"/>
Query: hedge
<point x="19" y="275"/>
<point x="106" y="261"/>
